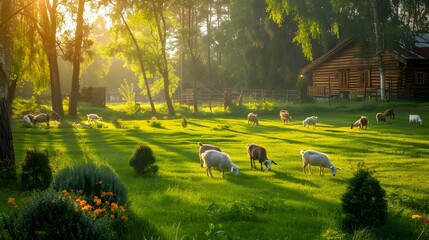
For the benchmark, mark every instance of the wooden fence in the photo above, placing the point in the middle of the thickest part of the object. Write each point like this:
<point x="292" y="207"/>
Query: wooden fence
<point x="239" y="97"/>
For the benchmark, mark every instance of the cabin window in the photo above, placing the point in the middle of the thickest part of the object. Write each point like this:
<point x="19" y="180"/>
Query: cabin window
<point x="343" y="77"/>
<point x="364" y="78"/>
<point x="420" y="77"/>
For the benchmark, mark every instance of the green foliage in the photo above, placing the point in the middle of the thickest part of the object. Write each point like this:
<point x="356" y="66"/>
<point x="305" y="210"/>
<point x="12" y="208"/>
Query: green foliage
<point x="36" y="171"/>
<point x="364" y="202"/>
<point x="7" y="224"/>
<point x="92" y="180"/>
<point x="117" y="122"/>
<point x="129" y="96"/>
<point x="143" y="160"/>
<point x="155" y="124"/>
<point x="51" y="215"/>
<point x="410" y="202"/>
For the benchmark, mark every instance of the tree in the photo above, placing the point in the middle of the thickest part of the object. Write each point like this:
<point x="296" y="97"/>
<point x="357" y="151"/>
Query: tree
<point x="48" y="20"/>
<point x="7" y="153"/>
<point x="142" y="65"/>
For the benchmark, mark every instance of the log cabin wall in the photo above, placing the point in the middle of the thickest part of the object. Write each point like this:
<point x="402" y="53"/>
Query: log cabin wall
<point x="347" y="69"/>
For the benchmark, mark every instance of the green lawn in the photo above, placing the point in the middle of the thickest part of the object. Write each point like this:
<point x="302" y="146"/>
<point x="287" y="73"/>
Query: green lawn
<point x="281" y="204"/>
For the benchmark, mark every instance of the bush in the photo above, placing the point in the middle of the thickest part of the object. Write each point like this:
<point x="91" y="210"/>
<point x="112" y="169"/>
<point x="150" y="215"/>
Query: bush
<point x="91" y="181"/>
<point x="36" y="172"/>
<point x="364" y="202"/>
<point x="143" y="160"/>
<point x="51" y="215"/>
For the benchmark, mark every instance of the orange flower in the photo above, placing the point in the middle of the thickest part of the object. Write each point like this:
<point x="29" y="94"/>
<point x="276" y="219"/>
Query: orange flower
<point x="80" y="192"/>
<point x="83" y="203"/>
<point x="106" y="203"/>
<point x="87" y="208"/>
<point x="65" y="192"/>
<point x="416" y="216"/>
<point x="110" y="194"/>
<point x="125" y="218"/>
<point x="77" y="201"/>
<point x="114" y="206"/>
<point x="103" y="194"/>
<point x="112" y="216"/>
<point x="97" y="212"/>
<point x="11" y="200"/>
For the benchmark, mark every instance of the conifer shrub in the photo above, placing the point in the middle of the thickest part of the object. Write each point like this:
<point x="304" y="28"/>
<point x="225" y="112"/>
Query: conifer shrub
<point x="91" y="180"/>
<point x="364" y="202"/>
<point x="143" y="160"/>
<point x="52" y="215"/>
<point x="36" y="171"/>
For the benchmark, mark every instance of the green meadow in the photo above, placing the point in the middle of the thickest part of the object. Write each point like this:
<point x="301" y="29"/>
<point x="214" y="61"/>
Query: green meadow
<point x="181" y="202"/>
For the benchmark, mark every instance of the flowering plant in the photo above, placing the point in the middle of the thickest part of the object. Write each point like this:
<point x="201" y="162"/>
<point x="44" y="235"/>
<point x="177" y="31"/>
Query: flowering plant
<point x="425" y="227"/>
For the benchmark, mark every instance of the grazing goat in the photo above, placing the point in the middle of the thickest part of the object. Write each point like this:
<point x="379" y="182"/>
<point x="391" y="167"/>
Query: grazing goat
<point x="310" y="121"/>
<point x="252" y="118"/>
<point x="415" y="120"/>
<point x="259" y="153"/>
<point x="314" y="158"/>
<point x="205" y="147"/>
<point x="221" y="160"/>
<point x="285" y="116"/>
<point x="362" y="123"/>
<point x="93" y="117"/>
<point x="380" y="117"/>
<point x="389" y="113"/>
<point x="28" y="118"/>
<point x="42" y="117"/>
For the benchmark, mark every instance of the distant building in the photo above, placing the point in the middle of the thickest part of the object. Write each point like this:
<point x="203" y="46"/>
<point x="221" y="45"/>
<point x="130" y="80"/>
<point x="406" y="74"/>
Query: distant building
<point x="349" y="69"/>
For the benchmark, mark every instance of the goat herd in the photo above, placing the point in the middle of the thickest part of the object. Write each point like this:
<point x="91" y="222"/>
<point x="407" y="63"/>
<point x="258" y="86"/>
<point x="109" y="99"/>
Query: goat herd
<point x="212" y="156"/>
<point x="362" y="122"/>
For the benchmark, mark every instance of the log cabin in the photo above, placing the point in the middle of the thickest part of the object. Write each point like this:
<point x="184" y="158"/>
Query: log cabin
<point x="349" y="70"/>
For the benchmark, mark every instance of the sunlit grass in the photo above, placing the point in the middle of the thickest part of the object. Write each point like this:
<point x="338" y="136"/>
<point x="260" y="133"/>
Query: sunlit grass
<point x="174" y="203"/>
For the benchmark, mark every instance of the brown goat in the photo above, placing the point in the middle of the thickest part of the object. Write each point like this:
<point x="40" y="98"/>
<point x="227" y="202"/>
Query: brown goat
<point x="389" y="113"/>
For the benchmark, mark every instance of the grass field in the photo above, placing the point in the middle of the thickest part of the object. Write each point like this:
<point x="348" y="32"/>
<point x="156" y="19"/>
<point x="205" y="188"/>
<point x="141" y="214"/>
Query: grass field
<point x="181" y="202"/>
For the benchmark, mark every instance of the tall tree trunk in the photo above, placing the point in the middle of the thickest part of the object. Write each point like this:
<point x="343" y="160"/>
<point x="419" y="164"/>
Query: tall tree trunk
<point x="162" y="33"/>
<point x="48" y="13"/>
<point x="142" y="67"/>
<point x="74" y="94"/>
<point x="7" y="153"/>
<point x="378" y="49"/>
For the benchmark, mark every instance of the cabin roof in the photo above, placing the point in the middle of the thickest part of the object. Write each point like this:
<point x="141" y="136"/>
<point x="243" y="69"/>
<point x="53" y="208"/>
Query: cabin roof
<point x="420" y="50"/>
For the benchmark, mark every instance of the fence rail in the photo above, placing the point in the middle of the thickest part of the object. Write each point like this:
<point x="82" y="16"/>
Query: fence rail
<point x="239" y="97"/>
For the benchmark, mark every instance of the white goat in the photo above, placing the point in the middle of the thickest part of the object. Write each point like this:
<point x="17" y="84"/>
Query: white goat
<point x="310" y="121"/>
<point x="205" y="147"/>
<point x="252" y="118"/>
<point x="221" y="160"/>
<point x="93" y="117"/>
<point x="415" y="119"/>
<point x="314" y="158"/>
<point x="285" y="116"/>
<point x="27" y="119"/>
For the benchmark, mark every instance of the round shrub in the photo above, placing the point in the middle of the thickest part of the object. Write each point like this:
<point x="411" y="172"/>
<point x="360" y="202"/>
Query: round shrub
<point x="143" y="160"/>
<point x="364" y="202"/>
<point x="51" y="215"/>
<point x="91" y="180"/>
<point x="36" y="172"/>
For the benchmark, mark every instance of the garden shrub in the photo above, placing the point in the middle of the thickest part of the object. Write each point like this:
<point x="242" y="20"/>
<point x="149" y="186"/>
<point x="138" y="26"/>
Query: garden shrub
<point x="143" y="160"/>
<point x="52" y="215"/>
<point x="91" y="181"/>
<point x="364" y="202"/>
<point x="36" y="171"/>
